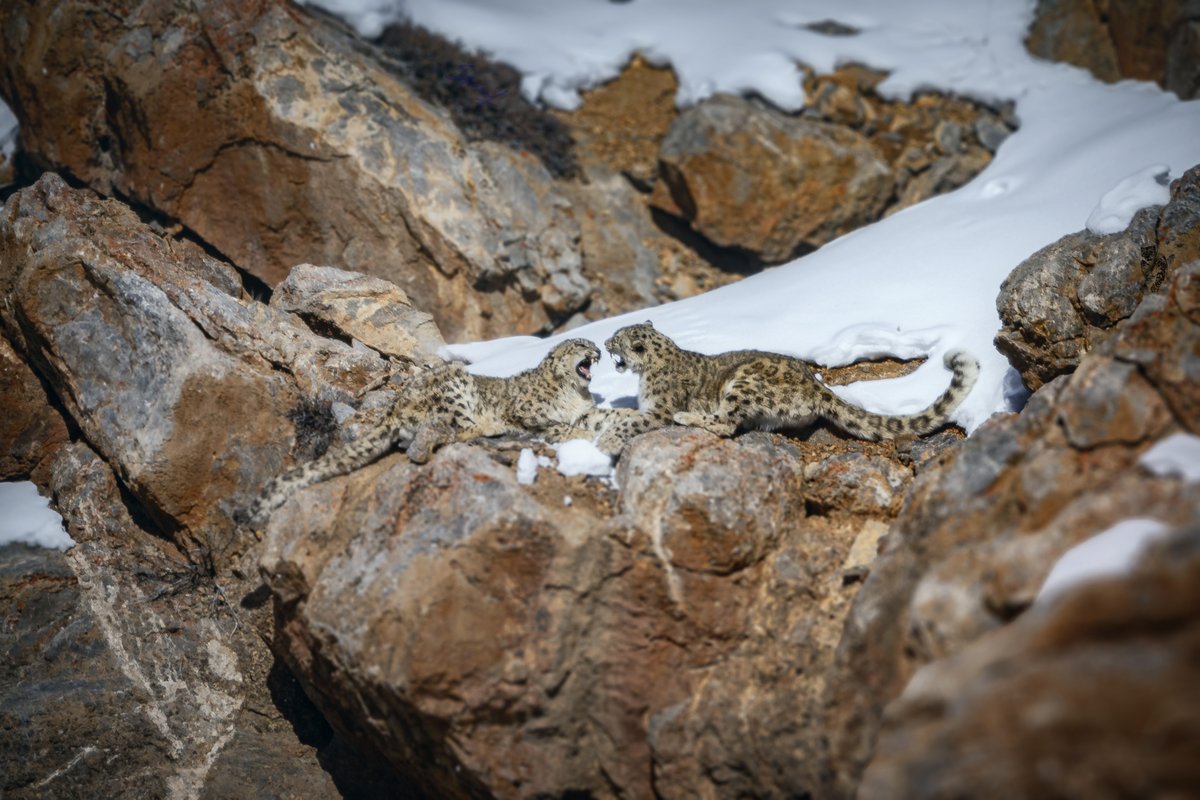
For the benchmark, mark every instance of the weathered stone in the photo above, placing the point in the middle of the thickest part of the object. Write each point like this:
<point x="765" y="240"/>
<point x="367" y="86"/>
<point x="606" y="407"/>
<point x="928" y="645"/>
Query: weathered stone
<point x="1162" y="342"/>
<point x="1063" y="300"/>
<point x="276" y="138"/>
<point x="369" y="310"/>
<point x="941" y="176"/>
<point x="1178" y="229"/>
<point x="749" y="176"/>
<point x="30" y="429"/>
<point x="857" y="483"/>
<point x="981" y="528"/>
<point x="147" y="355"/>
<point x="1150" y="40"/>
<point x="1111" y="403"/>
<point x="1095" y="693"/>
<point x="439" y="613"/>
<point x="690" y="516"/>
<point x="127" y="672"/>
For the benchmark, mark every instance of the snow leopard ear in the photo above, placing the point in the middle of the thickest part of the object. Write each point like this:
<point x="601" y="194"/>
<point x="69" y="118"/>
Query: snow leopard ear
<point x="650" y="323"/>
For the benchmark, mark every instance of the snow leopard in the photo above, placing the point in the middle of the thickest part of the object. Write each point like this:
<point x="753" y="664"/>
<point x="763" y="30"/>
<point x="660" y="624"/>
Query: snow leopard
<point x="449" y="404"/>
<point x="751" y="389"/>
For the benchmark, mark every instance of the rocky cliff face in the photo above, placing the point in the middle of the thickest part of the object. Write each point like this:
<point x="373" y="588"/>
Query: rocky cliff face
<point x="1117" y="39"/>
<point x="762" y="616"/>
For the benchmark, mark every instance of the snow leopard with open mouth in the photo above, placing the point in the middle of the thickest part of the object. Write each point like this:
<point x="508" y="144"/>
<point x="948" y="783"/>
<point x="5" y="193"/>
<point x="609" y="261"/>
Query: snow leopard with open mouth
<point x="449" y="404"/>
<point x="750" y="389"/>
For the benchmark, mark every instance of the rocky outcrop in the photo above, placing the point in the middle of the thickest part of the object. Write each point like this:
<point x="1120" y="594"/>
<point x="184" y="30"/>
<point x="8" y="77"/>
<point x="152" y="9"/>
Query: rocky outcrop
<point x="501" y="640"/>
<point x="727" y="617"/>
<point x="146" y="342"/>
<point x="1066" y="299"/>
<point x="932" y="144"/>
<point x="277" y="140"/>
<point x="981" y="528"/>
<point x="1149" y="40"/>
<point x="504" y="644"/>
<point x="730" y="618"/>
<point x="360" y="308"/>
<point x="746" y="175"/>
<point x="1093" y="695"/>
<point x="127" y="672"/>
<point x="145" y="643"/>
<point x="30" y="429"/>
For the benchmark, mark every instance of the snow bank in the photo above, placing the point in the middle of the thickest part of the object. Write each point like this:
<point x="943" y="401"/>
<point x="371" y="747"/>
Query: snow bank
<point x="1108" y="554"/>
<point x="919" y="283"/>
<point x="1146" y="187"/>
<point x="26" y="517"/>
<point x="581" y="457"/>
<point x="1176" y="455"/>
<point x="563" y="46"/>
<point x="8" y="131"/>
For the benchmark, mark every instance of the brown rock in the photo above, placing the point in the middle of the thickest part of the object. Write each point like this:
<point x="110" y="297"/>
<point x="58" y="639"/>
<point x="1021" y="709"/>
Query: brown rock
<point x="750" y="176"/>
<point x="30" y="428"/>
<point x="981" y="528"/>
<point x="278" y="141"/>
<point x="360" y="307"/>
<point x="1149" y="40"/>
<point x="128" y="672"/>
<point x="690" y="517"/>
<point x="147" y="356"/>
<point x="492" y="641"/>
<point x="1161" y="342"/>
<point x="1110" y="403"/>
<point x="856" y="482"/>
<point x="1064" y="300"/>
<point x="1067" y="298"/>
<point x="1097" y="694"/>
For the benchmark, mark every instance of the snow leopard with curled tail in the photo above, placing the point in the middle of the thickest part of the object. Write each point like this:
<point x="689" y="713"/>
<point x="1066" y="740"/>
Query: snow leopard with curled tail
<point x="449" y="404"/>
<point x="750" y="389"/>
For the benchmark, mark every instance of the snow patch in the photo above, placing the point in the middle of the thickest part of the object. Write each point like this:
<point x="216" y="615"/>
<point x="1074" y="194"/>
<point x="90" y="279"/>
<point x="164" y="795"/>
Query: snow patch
<point x="26" y="517"/>
<point x="1147" y="187"/>
<point x="1110" y="553"/>
<point x="920" y="282"/>
<point x="527" y="466"/>
<point x="8" y="132"/>
<point x="1175" y="455"/>
<point x="582" y="457"/>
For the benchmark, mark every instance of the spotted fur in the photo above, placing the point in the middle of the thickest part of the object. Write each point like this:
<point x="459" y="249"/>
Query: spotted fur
<point x="448" y="404"/>
<point x="752" y="389"/>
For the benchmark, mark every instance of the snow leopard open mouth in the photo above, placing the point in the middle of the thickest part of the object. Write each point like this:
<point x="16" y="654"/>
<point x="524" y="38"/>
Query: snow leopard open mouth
<point x="619" y="362"/>
<point x="584" y="368"/>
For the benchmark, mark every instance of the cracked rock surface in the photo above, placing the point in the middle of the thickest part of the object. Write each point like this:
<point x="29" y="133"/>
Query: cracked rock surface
<point x="279" y="141"/>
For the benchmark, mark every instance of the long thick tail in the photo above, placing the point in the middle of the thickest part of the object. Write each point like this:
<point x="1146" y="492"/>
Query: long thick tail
<point x="867" y="425"/>
<point x="370" y="447"/>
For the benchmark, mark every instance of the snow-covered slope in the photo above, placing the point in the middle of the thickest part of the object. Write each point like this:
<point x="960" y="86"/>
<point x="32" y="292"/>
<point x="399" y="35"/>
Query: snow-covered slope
<point x="918" y="283"/>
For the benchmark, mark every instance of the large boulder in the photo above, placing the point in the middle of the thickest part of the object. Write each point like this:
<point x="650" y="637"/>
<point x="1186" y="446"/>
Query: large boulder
<point x="748" y="176"/>
<point x="1096" y="695"/>
<point x="1066" y="299"/>
<point x="128" y="672"/>
<point x="492" y="640"/>
<point x="981" y="528"/>
<point x="147" y="344"/>
<point x="279" y="139"/>
<point x="1149" y="40"/>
